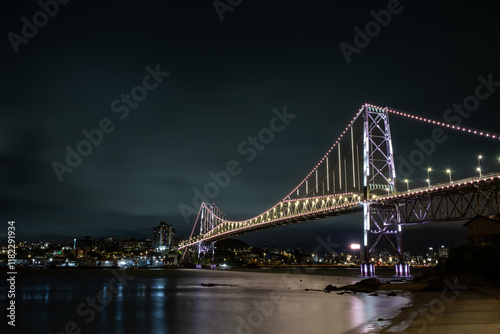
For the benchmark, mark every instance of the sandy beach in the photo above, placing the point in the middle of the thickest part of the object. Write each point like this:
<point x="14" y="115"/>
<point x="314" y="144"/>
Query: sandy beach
<point x="465" y="310"/>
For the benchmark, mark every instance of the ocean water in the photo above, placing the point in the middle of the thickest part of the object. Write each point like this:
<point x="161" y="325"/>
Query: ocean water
<point x="175" y="301"/>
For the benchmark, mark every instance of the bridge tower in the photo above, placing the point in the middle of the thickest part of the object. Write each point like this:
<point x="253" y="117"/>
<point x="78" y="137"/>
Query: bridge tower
<point x="210" y="216"/>
<point x="379" y="180"/>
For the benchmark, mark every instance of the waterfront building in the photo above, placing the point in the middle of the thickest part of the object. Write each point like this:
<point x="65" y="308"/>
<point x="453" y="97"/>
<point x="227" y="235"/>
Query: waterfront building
<point x="163" y="235"/>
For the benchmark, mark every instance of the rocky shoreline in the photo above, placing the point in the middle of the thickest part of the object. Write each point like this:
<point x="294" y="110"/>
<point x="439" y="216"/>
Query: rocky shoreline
<point x="455" y="304"/>
<point x="373" y="286"/>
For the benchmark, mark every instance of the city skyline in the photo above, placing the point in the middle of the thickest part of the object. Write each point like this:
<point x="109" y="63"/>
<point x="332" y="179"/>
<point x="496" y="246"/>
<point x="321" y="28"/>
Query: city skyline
<point x="168" y="95"/>
<point x="326" y="243"/>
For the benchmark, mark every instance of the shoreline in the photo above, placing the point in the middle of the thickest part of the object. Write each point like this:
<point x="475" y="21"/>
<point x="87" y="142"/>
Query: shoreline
<point x="464" y="310"/>
<point x="434" y="306"/>
<point x="383" y="273"/>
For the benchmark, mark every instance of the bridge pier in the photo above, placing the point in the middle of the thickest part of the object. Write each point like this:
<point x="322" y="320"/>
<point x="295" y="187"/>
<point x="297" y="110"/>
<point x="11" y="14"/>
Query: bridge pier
<point x="367" y="269"/>
<point x="384" y="221"/>
<point x="198" y="252"/>
<point x="206" y="248"/>
<point x="402" y="270"/>
<point x="379" y="181"/>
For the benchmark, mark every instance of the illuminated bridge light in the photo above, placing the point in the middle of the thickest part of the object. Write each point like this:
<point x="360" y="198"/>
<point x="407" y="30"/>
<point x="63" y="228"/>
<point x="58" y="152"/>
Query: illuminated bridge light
<point x="230" y="228"/>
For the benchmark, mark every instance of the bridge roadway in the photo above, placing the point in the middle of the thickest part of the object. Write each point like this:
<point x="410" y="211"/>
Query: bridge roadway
<point x="461" y="199"/>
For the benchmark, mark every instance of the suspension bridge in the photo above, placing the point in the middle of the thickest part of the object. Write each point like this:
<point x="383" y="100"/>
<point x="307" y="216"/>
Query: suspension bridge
<point x="358" y="174"/>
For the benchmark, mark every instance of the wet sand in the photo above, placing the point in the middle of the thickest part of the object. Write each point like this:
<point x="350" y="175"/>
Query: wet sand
<point x="473" y="310"/>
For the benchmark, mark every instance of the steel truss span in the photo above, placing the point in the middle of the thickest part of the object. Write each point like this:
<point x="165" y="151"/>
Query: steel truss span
<point x="358" y="174"/>
<point x="462" y="200"/>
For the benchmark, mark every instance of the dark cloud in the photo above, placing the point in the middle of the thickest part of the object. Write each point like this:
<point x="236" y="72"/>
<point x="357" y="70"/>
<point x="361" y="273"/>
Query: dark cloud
<point x="225" y="79"/>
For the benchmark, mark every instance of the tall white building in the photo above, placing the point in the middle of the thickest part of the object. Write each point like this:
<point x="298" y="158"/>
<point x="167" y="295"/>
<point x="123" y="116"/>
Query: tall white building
<point x="163" y="235"/>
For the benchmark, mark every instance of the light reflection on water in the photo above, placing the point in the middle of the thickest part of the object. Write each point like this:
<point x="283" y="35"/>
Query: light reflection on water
<point x="177" y="303"/>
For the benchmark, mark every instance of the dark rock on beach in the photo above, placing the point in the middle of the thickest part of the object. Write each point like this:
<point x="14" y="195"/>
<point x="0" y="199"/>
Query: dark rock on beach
<point x="212" y="284"/>
<point x="366" y="285"/>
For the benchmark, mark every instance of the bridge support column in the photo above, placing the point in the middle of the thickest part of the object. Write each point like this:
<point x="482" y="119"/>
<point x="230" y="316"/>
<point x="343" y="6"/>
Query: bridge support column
<point x="383" y="221"/>
<point x="402" y="270"/>
<point x="366" y="230"/>
<point x="379" y="176"/>
<point x="367" y="269"/>
<point x="206" y="248"/>
<point x="399" y="238"/>
<point x="208" y="221"/>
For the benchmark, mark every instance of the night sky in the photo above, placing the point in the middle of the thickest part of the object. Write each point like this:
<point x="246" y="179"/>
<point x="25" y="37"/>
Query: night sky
<point x="203" y="85"/>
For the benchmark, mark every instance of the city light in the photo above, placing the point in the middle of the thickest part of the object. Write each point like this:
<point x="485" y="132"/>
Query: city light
<point x="355" y="246"/>
<point x="448" y="171"/>
<point x="442" y="124"/>
<point x="479" y="170"/>
<point x="407" y="185"/>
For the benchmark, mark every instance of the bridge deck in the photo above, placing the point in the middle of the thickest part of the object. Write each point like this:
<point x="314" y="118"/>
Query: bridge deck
<point x="462" y="199"/>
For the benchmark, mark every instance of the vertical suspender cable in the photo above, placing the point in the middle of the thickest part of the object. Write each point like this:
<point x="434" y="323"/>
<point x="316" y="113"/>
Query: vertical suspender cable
<point x="352" y="154"/>
<point x="327" y="176"/>
<point x="340" y="170"/>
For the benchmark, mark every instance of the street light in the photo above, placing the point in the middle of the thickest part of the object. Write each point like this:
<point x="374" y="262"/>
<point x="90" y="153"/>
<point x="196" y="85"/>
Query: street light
<point x="429" y="170"/>
<point x="479" y="157"/>
<point x="389" y="188"/>
<point x="449" y="172"/>
<point x="408" y="184"/>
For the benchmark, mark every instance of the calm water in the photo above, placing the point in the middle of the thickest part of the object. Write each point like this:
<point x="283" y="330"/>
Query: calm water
<point x="173" y="301"/>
